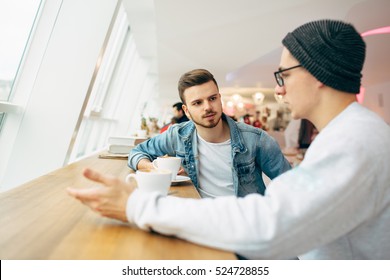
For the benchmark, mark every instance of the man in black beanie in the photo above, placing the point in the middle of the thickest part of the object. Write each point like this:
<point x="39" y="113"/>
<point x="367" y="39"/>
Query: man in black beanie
<point x="334" y="205"/>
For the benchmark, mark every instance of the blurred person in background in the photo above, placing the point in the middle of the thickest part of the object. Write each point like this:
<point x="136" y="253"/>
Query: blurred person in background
<point x="178" y="113"/>
<point x="178" y="116"/>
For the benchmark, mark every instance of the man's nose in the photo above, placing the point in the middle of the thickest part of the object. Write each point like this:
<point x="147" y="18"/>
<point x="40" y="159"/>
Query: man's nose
<point x="207" y="105"/>
<point x="280" y="90"/>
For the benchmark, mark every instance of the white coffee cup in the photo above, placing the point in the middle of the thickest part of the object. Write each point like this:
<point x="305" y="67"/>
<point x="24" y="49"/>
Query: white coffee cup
<point x="154" y="180"/>
<point x="167" y="162"/>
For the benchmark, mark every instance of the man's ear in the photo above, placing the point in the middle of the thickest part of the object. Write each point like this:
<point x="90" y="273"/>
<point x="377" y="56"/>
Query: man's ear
<point x="320" y="84"/>
<point x="185" y="110"/>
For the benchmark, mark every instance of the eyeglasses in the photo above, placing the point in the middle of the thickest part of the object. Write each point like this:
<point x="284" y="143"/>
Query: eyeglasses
<point x="278" y="76"/>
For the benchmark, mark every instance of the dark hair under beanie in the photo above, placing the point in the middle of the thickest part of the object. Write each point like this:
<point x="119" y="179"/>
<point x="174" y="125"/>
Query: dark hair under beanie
<point x="332" y="51"/>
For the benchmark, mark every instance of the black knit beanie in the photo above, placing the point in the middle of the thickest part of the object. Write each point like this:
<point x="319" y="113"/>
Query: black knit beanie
<point x="331" y="50"/>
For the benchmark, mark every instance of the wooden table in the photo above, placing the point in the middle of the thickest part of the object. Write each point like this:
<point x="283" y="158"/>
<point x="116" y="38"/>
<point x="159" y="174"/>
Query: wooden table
<point x="39" y="220"/>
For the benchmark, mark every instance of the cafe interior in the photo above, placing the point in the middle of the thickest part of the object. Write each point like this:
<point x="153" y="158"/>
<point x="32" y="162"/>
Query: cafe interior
<point x="80" y="75"/>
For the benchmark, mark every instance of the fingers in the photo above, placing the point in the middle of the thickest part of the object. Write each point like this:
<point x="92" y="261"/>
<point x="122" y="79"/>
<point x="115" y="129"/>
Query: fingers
<point x="108" y="199"/>
<point x="181" y="171"/>
<point x="99" y="177"/>
<point x="84" y="194"/>
<point x="92" y="197"/>
<point x="88" y="197"/>
<point x="109" y="182"/>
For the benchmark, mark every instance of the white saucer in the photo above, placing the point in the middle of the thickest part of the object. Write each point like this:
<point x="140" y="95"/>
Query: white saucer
<point x="181" y="179"/>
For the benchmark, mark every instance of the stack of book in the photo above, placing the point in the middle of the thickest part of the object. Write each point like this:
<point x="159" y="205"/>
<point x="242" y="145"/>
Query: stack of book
<point x="123" y="144"/>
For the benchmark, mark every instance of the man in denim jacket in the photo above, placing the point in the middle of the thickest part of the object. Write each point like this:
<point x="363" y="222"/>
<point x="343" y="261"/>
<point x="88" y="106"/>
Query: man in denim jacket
<point x="221" y="156"/>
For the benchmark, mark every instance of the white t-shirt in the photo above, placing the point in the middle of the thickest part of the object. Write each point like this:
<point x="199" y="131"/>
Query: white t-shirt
<point x="215" y="172"/>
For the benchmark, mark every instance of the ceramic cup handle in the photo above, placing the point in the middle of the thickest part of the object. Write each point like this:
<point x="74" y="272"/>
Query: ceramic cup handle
<point x="128" y="177"/>
<point x="154" y="163"/>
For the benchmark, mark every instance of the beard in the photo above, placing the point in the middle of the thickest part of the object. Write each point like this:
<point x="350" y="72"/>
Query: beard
<point x="207" y="124"/>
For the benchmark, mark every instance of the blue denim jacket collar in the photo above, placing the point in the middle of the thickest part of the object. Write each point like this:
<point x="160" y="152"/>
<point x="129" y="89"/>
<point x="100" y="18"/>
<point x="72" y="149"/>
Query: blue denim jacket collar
<point x="236" y="137"/>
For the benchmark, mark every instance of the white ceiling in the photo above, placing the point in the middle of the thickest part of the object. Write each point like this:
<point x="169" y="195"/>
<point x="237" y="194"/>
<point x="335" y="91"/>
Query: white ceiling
<point x="240" y="41"/>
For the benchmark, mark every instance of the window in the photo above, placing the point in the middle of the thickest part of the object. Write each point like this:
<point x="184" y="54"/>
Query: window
<point x="115" y="99"/>
<point x="16" y="24"/>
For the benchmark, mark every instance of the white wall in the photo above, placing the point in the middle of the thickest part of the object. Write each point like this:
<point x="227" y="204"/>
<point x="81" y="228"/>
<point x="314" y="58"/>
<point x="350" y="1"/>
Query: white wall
<point x="36" y="142"/>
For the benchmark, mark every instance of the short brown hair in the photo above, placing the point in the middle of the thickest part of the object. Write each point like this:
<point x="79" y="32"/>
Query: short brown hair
<point x="194" y="78"/>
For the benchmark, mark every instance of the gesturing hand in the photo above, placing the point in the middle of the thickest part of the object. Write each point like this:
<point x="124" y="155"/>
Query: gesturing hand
<point x="108" y="199"/>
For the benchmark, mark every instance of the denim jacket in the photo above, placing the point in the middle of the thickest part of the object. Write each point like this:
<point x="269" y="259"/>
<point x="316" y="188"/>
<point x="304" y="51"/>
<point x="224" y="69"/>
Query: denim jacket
<point x="253" y="152"/>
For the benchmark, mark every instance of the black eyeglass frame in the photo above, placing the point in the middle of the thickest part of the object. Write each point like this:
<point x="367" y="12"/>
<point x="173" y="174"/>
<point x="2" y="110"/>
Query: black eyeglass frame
<point x="279" y="78"/>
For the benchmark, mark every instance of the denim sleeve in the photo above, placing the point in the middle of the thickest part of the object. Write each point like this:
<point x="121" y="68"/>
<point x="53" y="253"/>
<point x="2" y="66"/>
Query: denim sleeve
<point x="272" y="161"/>
<point x="162" y="144"/>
